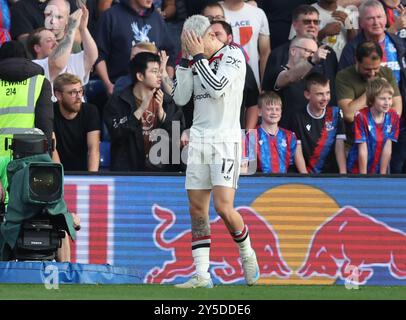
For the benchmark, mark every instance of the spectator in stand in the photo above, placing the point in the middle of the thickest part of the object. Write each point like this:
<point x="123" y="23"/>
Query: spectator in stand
<point x="174" y="12"/>
<point x="396" y="17"/>
<point x="56" y="15"/>
<point x="214" y="12"/>
<point x="196" y="6"/>
<point x="376" y="127"/>
<point x="119" y="29"/>
<point x="279" y="13"/>
<point x="352" y="82"/>
<point x="57" y="58"/>
<point x="4" y="15"/>
<point x="28" y="15"/>
<point x="249" y="107"/>
<point x="304" y="57"/>
<point x="320" y="129"/>
<point x="372" y="21"/>
<point x="134" y="113"/>
<point x="273" y="148"/>
<point x="336" y="26"/>
<point x="251" y="31"/>
<point x="14" y="69"/>
<point x="346" y="3"/>
<point x="76" y="126"/>
<point x="4" y="36"/>
<point x="126" y="80"/>
<point x="306" y="24"/>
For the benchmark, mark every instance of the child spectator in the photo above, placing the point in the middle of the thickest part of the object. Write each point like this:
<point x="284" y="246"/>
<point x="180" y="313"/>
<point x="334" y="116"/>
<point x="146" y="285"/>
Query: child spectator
<point x="375" y="127"/>
<point x="274" y="148"/>
<point x="320" y="128"/>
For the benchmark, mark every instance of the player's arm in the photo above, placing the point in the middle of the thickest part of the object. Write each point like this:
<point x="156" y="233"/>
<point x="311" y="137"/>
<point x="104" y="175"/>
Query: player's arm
<point x="183" y="83"/>
<point x="231" y="66"/>
<point x="385" y="157"/>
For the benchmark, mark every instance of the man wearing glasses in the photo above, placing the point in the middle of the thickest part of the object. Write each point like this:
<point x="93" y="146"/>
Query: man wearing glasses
<point x="304" y="56"/>
<point x="306" y="24"/>
<point x="76" y="126"/>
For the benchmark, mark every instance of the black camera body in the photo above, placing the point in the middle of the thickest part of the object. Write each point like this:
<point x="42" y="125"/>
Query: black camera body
<point x="39" y="239"/>
<point x="36" y="195"/>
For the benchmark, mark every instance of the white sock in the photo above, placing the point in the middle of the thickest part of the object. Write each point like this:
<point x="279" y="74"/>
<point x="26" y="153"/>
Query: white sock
<point x="242" y="238"/>
<point x="201" y="256"/>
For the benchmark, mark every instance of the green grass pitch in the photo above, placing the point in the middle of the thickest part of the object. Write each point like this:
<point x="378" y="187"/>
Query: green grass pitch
<point x="221" y="292"/>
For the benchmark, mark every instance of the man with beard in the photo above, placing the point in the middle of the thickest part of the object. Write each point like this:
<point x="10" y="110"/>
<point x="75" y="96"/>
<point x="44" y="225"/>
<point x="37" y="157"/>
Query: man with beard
<point x="76" y="126"/>
<point x="351" y="83"/>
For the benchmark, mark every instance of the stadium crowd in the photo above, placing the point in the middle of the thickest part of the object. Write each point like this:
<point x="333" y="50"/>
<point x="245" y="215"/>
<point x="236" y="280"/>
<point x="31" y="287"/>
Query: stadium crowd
<point x="325" y="86"/>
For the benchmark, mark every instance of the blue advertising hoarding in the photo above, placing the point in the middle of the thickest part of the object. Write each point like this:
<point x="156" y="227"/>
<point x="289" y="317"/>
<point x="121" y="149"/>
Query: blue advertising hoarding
<point x="305" y="230"/>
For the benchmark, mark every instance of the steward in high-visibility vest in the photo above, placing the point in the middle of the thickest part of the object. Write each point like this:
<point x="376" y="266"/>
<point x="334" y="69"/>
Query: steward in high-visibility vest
<point x="17" y="107"/>
<point x="25" y="98"/>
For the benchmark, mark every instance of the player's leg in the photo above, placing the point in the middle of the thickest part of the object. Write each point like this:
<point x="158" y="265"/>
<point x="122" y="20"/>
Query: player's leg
<point x="199" y="189"/>
<point x="224" y="205"/>
<point x="224" y="176"/>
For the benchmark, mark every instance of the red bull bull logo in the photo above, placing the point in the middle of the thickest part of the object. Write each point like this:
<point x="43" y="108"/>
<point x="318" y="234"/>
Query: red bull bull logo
<point x="351" y="241"/>
<point x="300" y="235"/>
<point x="224" y="255"/>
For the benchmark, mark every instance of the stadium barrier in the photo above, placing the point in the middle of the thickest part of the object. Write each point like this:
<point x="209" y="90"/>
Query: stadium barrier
<point x="305" y="230"/>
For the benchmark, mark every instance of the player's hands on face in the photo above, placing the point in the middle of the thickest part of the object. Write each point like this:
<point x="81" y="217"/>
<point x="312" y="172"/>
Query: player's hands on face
<point x="194" y="44"/>
<point x="185" y="51"/>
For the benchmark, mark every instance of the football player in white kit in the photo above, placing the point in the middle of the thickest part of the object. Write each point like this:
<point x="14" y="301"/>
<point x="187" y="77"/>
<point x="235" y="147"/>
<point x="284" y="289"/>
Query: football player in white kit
<point x="215" y="77"/>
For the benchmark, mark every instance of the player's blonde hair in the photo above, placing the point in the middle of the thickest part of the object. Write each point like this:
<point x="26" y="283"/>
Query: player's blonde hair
<point x="198" y="24"/>
<point x="377" y="87"/>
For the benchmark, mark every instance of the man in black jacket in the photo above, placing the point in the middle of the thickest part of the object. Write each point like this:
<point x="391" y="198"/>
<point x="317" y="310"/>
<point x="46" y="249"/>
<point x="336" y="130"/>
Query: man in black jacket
<point x="133" y="115"/>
